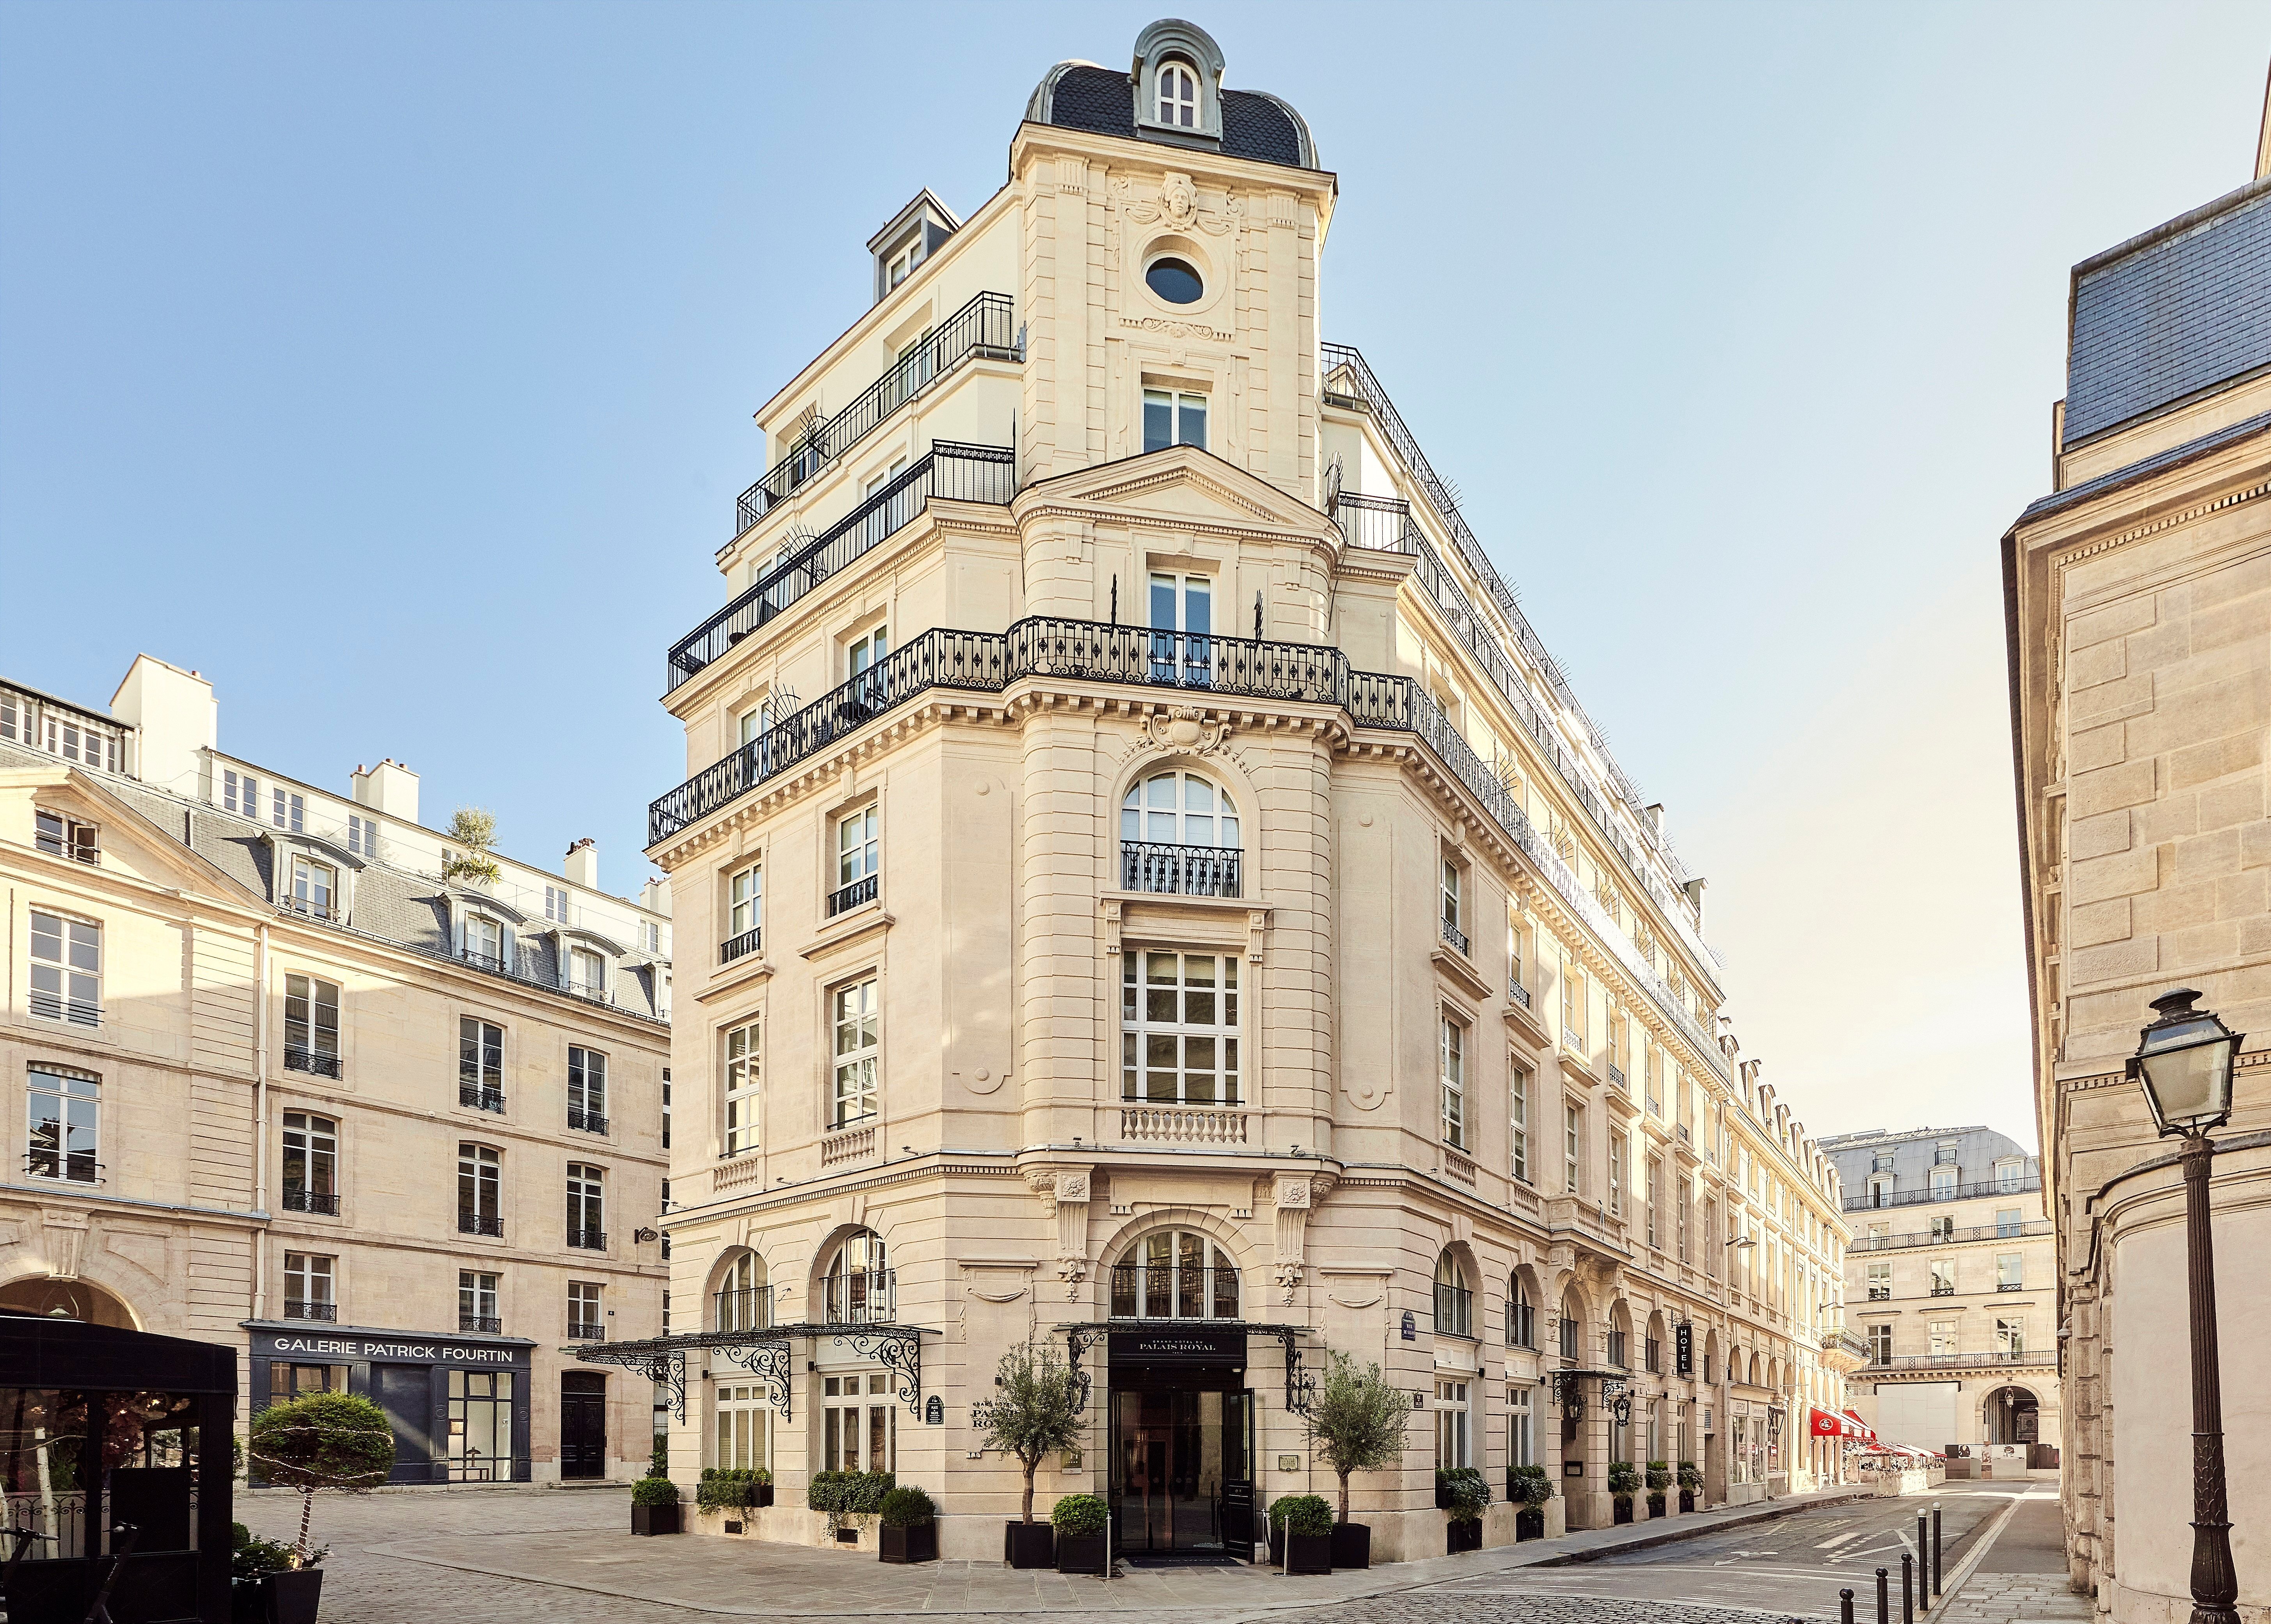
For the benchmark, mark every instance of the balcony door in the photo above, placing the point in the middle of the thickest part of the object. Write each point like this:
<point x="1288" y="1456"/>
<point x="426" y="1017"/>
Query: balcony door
<point x="1182" y="617"/>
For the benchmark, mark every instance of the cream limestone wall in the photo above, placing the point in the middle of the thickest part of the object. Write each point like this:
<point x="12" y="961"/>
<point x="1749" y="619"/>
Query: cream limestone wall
<point x="1002" y="1170"/>
<point x="185" y="1233"/>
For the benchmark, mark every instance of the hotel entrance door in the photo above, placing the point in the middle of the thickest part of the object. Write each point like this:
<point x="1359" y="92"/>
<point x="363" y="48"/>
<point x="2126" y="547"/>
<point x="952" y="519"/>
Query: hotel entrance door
<point x="1183" y="1470"/>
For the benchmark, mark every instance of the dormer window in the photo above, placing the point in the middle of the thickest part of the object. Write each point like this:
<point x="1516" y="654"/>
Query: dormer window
<point x="903" y="262"/>
<point x="1178" y="95"/>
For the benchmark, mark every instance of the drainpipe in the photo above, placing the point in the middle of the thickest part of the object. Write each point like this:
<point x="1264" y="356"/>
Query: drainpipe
<point x="260" y="1120"/>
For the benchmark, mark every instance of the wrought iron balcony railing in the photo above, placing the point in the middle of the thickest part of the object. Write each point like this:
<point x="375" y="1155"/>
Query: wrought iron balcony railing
<point x="1870" y="1199"/>
<point x="311" y="1201"/>
<point x="481" y="960"/>
<point x="55" y="1007"/>
<point x="1616" y="1074"/>
<point x="480" y="1224"/>
<point x="1455" y="1310"/>
<point x="1953" y="1237"/>
<point x="1173" y="1292"/>
<point x="949" y="471"/>
<point x="1949" y="1361"/>
<point x="480" y="1097"/>
<point x="749" y="1308"/>
<point x="1180" y="870"/>
<point x="1377" y="524"/>
<point x="309" y="907"/>
<point x="2010" y="1285"/>
<point x="481" y="1325"/>
<point x="314" y="1062"/>
<point x="859" y="894"/>
<point x="869" y="1297"/>
<point x="1520" y="1324"/>
<point x="585" y="1331"/>
<point x="587" y="1121"/>
<point x="1881" y="1293"/>
<point x="985" y="326"/>
<point x="1518" y="993"/>
<point x="294" y="1308"/>
<point x="741" y="946"/>
<point x="588" y="1240"/>
<point x="1943" y="1288"/>
<point x="1456" y="938"/>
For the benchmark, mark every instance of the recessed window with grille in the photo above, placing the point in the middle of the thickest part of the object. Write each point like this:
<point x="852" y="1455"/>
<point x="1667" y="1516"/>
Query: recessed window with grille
<point x="481" y="1065"/>
<point x="584" y="1312"/>
<point x="480" y="1191"/>
<point x="587" y="1221"/>
<point x="477" y="1302"/>
<point x="1616" y="1173"/>
<point x="1518" y="1108"/>
<point x="1452" y="1055"/>
<point x="1880" y="1344"/>
<point x="1573" y="1145"/>
<point x="1943" y="1276"/>
<point x="1174" y="1274"/>
<point x="1568" y="1332"/>
<point x="309" y="1280"/>
<point x="1179" y="1039"/>
<point x="2010" y="1271"/>
<point x="314" y="888"/>
<point x="1521" y="1317"/>
<point x="857" y="849"/>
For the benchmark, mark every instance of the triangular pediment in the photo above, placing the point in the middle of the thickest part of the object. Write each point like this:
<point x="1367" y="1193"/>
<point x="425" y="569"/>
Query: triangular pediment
<point x="1180" y="485"/>
<point x="128" y="836"/>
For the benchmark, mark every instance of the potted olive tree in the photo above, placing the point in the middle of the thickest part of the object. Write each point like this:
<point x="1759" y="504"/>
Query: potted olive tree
<point x="322" y="1440"/>
<point x="1035" y="1414"/>
<point x="910" y="1519"/>
<point x="1659" y="1479"/>
<point x="1464" y="1496"/>
<point x="1624" y="1483"/>
<point x="1083" y="1544"/>
<point x="654" y="1506"/>
<point x="1691" y="1484"/>
<point x="1529" y="1488"/>
<point x="1308" y="1534"/>
<point x="1358" y="1421"/>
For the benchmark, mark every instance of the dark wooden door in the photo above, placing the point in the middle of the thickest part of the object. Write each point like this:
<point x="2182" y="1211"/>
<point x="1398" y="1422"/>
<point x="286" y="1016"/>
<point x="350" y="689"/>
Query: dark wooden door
<point x="583" y="1423"/>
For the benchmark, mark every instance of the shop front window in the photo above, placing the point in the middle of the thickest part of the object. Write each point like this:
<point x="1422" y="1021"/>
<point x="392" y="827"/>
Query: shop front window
<point x="481" y="1426"/>
<point x="858" y="1423"/>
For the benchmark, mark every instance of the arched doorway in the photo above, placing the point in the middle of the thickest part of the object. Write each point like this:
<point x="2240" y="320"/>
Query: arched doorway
<point x="70" y="1299"/>
<point x="2012" y="1415"/>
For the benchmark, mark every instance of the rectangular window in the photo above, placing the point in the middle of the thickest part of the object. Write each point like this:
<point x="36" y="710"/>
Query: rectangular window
<point x="63" y="1115"/>
<point x="1573" y="1005"/>
<point x="1616" y="1173"/>
<point x="745" y="911"/>
<point x="481" y="1065"/>
<point x="311" y="1163"/>
<point x="1452" y="933"/>
<point x="1943" y="1183"/>
<point x="311" y="1025"/>
<point x="1880" y="1282"/>
<point x="287" y="811"/>
<point x="2010" y="1335"/>
<point x="863" y="657"/>
<point x="88" y="746"/>
<point x="587" y="1219"/>
<point x="1179" y="1025"/>
<point x="1650" y="1067"/>
<point x="362" y="836"/>
<point x="477" y="1301"/>
<point x="1680" y="1215"/>
<point x="587" y="1090"/>
<point x="744" y="1080"/>
<point x="1941" y="1336"/>
<point x="1651" y="1196"/>
<point x="744" y="1439"/>
<point x="480" y="1191"/>
<point x="2009" y="1221"/>
<point x="1453" y="1063"/>
<point x="314" y="886"/>
<point x="1573" y="1145"/>
<point x="484" y="941"/>
<point x="1517" y="987"/>
<point x="1568" y="1334"/>
<point x="2011" y="1176"/>
<point x="854" y="1021"/>
<point x="555" y="904"/>
<point x="2010" y="1271"/>
<point x="481" y="1416"/>
<point x="59" y="836"/>
<point x="15" y="719"/>
<point x="856" y="851"/>
<point x="1942" y="1229"/>
<point x="1520" y="1440"/>
<point x="1880" y="1345"/>
<point x="240" y="793"/>
<point x="587" y="973"/>
<point x="1451" y="1425"/>
<point x="1518" y="1104"/>
<point x="584" y="1314"/>
<point x="1943" y="1276"/>
<point x="1172" y="417"/>
<point x="308" y="1282"/>
<point x="858" y="1423"/>
<point x="66" y="969"/>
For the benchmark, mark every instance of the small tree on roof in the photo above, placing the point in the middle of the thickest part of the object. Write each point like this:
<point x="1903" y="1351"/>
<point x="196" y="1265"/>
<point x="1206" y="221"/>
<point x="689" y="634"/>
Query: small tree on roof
<point x="476" y="831"/>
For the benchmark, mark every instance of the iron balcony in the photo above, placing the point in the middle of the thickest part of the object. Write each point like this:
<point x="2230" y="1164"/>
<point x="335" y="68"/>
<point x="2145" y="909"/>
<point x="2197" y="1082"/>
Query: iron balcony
<point x="1173" y="1292"/>
<point x="741" y="946"/>
<point x="1974" y="1232"/>
<point x="587" y="1121"/>
<point x="481" y="1323"/>
<point x="295" y="1309"/>
<point x="480" y="1224"/>
<point x="1871" y="1199"/>
<point x="749" y="1308"/>
<point x="314" y="1061"/>
<point x="867" y="1297"/>
<point x="311" y="1201"/>
<point x="588" y="1240"/>
<point x="480" y="1097"/>
<point x="1455" y="1310"/>
<point x="1180" y="870"/>
<point x="859" y="894"/>
<point x="1456" y="938"/>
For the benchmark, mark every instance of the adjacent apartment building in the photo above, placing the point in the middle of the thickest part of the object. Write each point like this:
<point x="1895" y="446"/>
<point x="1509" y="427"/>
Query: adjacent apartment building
<point x="1952" y="1281"/>
<point x="273" y="1080"/>
<point x="2138" y="601"/>
<point x="1157" y="896"/>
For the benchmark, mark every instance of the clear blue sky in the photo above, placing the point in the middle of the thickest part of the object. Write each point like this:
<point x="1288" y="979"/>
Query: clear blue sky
<point x="393" y="365"/>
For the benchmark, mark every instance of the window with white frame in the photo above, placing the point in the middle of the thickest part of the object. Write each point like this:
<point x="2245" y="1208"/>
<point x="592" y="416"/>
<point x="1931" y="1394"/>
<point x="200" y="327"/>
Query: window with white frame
<point x="584" y="1311"/>
<point x="63" y="1117"/>
<point x="1940" y="1336"/>
<point x="484" y="941"/>
<point x="477" y="1302"/>
<point x="314" y="888"/>
<point x="904" y="261"/>
<point x="1451" y="1425"/>
<point x="853" y="1019"/>
<point x="1943" y="1183"/>
<point x="1179" y="1018"/>
<point x="866" y="652"/>
<point x="1178" y="95"/>
<point x="287" y="811"/>
<point x="1880" y="1343"/>
<point x="1680" y="1215"/>
<point x="1943" y="1276"/>
<point x="1174" y="1274"/>
<point x="2010" y="1271"/>
<point x="858" y="1423"/>
<point x="555" y="904"/>
<point x="240" y="793"/>
<point x="1518" y="1088"/>
<point x="744" y="1081"/>
<point x="1448" y="887"/>
<point x="587" y="973"/>
<point x="2010" y="1175"/>
<point x="59" y="834"/>
<point x="1174" y="417"/>
<point x="1572" y="1004"/>
<point x="480" y="1191"/>
<point x="744" y="1437"/>
<point x="1452" y="1054"/>
<point x="1651" y="1197"/>
<point x="856" y="854"/>
<point x="587" y="1219"/>
<point x="311" y="1025"/>
<point x="745" y="910"/>
<point x="311" y="1163"/>
<point x="1520" y="1316"/>
<point x="587" y="1089"/>
<point x="1616" y="1173"/>
<point x="91" y="747"/>
<point x="66" y="969"/>
<point x="362" y="836"/>
<point x="309" y="1281"/>
<point x="1179" y="808"/>
<point x="1520" y="1434"/>
<point x="1573" y="1148"/>
<point x="2010" y="1335"/>
<point x="480" y="1063"/>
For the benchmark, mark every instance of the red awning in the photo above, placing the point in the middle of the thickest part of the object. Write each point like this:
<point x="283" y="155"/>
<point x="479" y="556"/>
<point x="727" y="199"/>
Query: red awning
<point x="1859" y="1427"/>
<point x="1830" y="1424"/>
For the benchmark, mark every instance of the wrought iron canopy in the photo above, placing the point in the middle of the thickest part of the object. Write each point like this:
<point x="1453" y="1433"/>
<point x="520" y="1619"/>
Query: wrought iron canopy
<point x="767" y="1352"/>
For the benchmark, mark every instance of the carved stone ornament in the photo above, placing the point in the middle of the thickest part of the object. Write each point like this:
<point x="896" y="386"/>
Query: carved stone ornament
<point x="66" y="1236"/>
<point x="1185" y="727"/>
<point x="1293" y="1190"/>
<point x="1072" y="1186"/>
<point x="1179" y="202"/>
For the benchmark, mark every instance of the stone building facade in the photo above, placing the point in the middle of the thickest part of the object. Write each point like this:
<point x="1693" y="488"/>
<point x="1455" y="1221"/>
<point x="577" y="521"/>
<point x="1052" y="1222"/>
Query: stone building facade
<point x="1169" y="905"/>
<point x="1952" y="1281"/>
<point x="2138" y="598"/>
<point x="274" y="1083"/>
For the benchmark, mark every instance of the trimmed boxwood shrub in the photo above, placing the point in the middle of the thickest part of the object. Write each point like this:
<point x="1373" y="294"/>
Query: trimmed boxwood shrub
<point x="1624" y="1480"/>
<point x="1659" y="1476"/>
<point x="848" y="1497"/>
<point x="1468" y="1495"/>
<point x="1529" y="1484"/>
<point x="1080" y="1515"/>
<point x="1304" y="1514"/>
<point x="906" y="1507"/>
<point x="1690" y="1479"/>
<point x="730" y="1488"/>
<point x="655" y="1492"/>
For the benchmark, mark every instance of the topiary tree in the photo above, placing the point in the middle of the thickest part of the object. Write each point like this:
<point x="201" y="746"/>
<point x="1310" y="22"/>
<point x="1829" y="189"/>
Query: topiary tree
<point x="1357" y="1420"/>
<point x="1036" y="1414"/>
<point x="322" y="1440"/>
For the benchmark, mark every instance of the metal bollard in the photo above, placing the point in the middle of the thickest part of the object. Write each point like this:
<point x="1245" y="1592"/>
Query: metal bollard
<point x="1884" y="1599"/>
<point x="1924" y="1565"/>
<point x="1935" y="1549"/>
<point x="1908" y="1589"/>
<point x="1845" y="1607"/>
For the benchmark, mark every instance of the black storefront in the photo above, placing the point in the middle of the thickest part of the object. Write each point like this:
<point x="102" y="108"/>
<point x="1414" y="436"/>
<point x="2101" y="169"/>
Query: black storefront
<point x="459" y="1404"/>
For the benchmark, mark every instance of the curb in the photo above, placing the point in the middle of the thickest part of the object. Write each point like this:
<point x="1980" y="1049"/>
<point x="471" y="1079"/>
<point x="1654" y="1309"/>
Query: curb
<point x="1764" y="1514"/>
<point x="1977" y="1553"/>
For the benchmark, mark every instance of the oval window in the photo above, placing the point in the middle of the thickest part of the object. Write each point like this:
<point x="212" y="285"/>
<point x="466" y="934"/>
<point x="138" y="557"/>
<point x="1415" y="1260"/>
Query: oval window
<point x="1174" y="280"/>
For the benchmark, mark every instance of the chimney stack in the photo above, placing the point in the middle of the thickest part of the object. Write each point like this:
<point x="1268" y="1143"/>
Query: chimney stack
<point x="582" y="866"/>
<point x="389" y="787"/>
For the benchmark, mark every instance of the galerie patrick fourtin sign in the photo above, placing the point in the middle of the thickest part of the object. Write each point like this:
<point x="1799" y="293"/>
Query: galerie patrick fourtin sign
<point x="423" y="1353"/>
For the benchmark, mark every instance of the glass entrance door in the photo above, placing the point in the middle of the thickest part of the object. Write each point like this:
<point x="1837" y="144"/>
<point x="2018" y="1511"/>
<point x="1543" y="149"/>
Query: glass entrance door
<point x="1183" y="1471"/>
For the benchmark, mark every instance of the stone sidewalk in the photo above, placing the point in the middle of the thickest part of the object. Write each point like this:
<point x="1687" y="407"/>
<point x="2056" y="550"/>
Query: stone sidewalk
<point x="569" y="1555"/>
<point x="2019" y="1572"/>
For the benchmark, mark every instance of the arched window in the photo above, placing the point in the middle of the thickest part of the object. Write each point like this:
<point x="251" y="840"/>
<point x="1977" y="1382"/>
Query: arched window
<point x="1521" y="1317"/>
<point x="745" y="1302"/>
<point x="858" y="1287"/>
<point x="1178" y="833"/>
<point x="1572" y="1321"/>
<point x="1178" y="95"/>
<point x="1620" y="1337"/>
<point x="1455" y="1302"/>
<point x="1174" y="1274"/>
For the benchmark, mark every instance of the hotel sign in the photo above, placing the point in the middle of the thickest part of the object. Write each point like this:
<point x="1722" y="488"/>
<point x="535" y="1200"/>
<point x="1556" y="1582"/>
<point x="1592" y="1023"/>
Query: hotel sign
<point x="1179" y="1347"/>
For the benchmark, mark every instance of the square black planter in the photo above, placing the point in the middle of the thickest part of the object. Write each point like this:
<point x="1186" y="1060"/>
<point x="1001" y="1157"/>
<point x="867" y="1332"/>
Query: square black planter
<point x="292" y="1597"/>
<point x="1082" y="1553"/>
<point x="1029" y="1544"/>
<point x="1351" y="1544"/>
<point x="1687" y="1500"/>
<point x="655" y="1519"/>
<point x="1308" y="1553"/>
<point x="1528" y="1526"/>
<point x="1656" y="1505"/>
<point x="760" y="1495"/>
<point x="916" y="1544"/>
<point x="1624" y="1509"/>
<point x="1461" y="1536"/>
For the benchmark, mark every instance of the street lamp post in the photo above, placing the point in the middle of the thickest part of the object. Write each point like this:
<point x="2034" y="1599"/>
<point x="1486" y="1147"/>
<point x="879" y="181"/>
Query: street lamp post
<point x="2184" y="1060"/>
